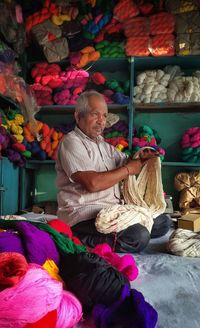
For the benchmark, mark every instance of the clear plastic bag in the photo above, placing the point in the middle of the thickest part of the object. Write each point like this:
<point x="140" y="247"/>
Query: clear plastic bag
<point x="14" y="87"/>
<point x="11" y="26"/>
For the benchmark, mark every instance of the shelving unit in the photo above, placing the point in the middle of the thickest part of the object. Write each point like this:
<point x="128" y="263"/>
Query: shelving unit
<point x="169" y="120"/>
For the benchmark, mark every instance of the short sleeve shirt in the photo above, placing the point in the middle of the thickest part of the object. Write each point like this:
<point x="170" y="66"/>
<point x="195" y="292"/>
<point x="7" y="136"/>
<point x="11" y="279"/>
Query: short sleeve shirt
<point x="77" y="152"/>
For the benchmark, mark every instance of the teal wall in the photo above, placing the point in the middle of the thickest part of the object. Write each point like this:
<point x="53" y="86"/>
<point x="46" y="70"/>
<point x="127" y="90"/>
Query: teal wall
<point x="45" y="187"/>
<point x="170" y="127"/>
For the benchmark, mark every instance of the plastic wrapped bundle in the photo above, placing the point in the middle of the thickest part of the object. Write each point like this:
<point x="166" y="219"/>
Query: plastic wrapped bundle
<point x="188" y="184"/>
<point x="137" y="46"/>
<point x="136" y="26"/>
<point x="7" y="55"/>
<point x="46" y="31"/>
<point x="163" y="45"/>
<point x="162" y="23"/>
<point x="181" y="6"/>
<point x="56" y="50"/>
<point x="125" y="9"/>
<point x="188" y="44"/>
<point x="188" y="22"/>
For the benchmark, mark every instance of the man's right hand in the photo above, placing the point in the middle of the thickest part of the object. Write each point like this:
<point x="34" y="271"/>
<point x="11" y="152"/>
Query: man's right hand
<point x="134" y="166"/>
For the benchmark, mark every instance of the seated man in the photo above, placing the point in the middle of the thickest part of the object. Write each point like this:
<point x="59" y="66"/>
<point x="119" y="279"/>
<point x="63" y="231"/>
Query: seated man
<point x="89" y="171"/>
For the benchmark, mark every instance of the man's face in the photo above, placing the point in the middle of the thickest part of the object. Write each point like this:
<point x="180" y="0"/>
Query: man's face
<point x="93" y="122"/>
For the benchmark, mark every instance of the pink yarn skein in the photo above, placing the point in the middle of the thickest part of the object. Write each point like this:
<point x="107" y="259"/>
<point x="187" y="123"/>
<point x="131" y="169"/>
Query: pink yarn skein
<point x="191" y="138"/>
<point x="124" y="264"/>
<point x="69" y="311"/>
<point x="74" y="78"/>
<point x="33" y="297"/>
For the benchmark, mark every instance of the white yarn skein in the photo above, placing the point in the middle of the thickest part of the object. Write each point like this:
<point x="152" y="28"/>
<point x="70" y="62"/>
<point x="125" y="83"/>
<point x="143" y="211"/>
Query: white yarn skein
<point x="144" y="199"/>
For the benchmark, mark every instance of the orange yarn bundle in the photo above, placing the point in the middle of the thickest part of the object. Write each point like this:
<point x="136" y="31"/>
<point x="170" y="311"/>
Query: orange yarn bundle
<point x="137" y="46"/>
<point x="88" y="54"/>
<point x="49" y="138"/>
<point x="157" y="45"/>
<point x="28" y="131"/>
<point x="162" y="23"/>
<point x="163" y="45"/>
<point x="125" y="9"/>
<point x="136" y="26"/>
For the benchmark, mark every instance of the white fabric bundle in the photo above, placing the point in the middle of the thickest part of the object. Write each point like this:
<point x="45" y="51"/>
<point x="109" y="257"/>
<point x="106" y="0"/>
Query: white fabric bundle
<point x="144" y="197"/>
<point x="184" y="242"/>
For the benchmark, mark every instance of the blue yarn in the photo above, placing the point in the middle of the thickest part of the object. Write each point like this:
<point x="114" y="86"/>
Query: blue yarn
<point x="25" y="143"/>
<point x="35" y="148"/>
<point x="120" y="98"/>
<point x="42" y="155"/>
<point x="94" y="28"/>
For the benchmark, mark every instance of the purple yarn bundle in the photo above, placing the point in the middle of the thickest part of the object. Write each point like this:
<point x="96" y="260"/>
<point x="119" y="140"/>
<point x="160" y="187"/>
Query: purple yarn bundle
<point x="36" y="245"/>
<point x="131" y="311"/>
<point x="120" y="126"/>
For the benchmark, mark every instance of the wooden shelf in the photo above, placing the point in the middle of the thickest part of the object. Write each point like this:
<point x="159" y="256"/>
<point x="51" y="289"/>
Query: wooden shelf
<point x="33" y="163"/>
<point x="69" y="109"/>
<point x="181" y="164"/>
<point x="169" y="107"/>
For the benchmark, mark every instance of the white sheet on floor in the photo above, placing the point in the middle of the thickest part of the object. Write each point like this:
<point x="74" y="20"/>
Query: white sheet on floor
<point x="171" y="284"/>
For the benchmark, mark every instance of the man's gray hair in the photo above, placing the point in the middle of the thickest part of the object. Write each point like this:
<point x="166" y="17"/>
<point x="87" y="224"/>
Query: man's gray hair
<point x="82" y="105"/>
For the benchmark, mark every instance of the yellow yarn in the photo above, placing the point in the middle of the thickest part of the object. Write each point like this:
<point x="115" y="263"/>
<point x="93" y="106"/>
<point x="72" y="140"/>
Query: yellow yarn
<point x="19" y="137"/>
<point x="52" y="269"/>
<point x="19" y="119"/>
<point x="119" y="147"/>
<point x="16" y="129"/>
<point x="58" y="20"/>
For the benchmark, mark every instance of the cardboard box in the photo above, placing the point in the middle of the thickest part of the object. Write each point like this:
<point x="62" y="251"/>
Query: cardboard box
<point x="190" y="222"/>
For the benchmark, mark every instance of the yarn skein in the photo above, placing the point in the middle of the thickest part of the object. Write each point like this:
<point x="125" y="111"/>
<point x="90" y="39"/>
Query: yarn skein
<point x="13" y="266"/>
<point x="33" y="297"/>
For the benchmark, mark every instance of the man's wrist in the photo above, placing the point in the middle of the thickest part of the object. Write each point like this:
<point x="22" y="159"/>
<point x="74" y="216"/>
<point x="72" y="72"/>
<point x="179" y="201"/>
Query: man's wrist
<point x="127" y="169"/>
